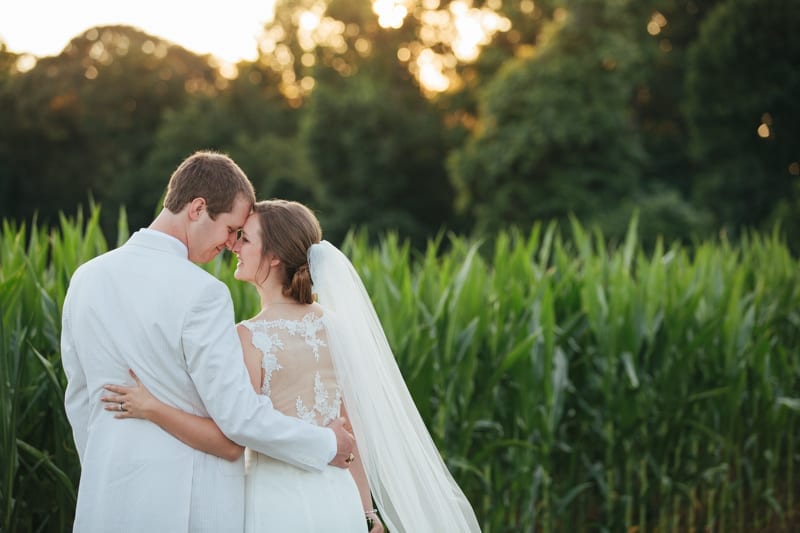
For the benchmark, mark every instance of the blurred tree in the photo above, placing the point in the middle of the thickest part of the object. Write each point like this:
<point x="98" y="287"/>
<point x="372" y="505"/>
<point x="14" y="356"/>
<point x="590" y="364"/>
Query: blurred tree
<point x="556" y="134"/>
<point x="202" y="123"/>
<point x="547" y="107"/>
<point x="377" y="147"/>
<point x="8" y="186"/>
<point x="663" y="213"/>
<point x="267" y="144"/>
<point x="666" y="29"/>
<point x="743" y="111"/>
<point x="373" y="141"/>
<point x="459" y="104"/>
<point x="94" y="110"/>
<point x="250" y="120"/>
<point x="8" y="61"/>
<point x="432" y="40"/>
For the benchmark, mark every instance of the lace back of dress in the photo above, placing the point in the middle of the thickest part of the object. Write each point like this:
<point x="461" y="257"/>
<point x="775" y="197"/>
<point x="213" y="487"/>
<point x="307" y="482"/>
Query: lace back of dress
<point x="297" y="371"/>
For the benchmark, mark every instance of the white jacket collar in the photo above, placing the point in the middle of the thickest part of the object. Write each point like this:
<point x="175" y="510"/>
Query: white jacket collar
<point x="157" y="240"/>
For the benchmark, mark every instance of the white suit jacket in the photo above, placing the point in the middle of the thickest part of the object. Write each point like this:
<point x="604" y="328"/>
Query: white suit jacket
<point x="145" y="306"/>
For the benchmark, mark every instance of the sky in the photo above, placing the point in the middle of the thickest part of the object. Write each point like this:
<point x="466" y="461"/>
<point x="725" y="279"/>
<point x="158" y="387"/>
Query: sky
<point x="226" y="29"/>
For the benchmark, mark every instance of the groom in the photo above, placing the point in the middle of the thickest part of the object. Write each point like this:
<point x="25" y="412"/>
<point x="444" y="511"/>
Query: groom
<point x="148" y="307"/>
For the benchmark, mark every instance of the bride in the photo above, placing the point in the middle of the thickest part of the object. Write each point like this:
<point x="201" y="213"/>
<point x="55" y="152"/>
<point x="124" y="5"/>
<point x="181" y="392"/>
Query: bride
<point x="317" y="362"/>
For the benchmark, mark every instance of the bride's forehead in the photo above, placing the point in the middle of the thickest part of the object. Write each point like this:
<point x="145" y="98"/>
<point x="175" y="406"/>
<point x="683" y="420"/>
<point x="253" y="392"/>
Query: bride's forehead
<point x="252" y="222"/>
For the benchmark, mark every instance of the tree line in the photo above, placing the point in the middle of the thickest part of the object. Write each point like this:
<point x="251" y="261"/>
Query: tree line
<point x="683" y="109"/>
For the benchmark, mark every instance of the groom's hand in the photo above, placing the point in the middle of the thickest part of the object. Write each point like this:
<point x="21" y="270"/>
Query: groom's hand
<point x="345" y="444"/>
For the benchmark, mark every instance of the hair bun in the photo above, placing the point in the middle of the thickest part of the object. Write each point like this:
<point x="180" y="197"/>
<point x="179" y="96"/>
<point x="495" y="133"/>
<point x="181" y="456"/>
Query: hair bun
<point x="300" y="287"/>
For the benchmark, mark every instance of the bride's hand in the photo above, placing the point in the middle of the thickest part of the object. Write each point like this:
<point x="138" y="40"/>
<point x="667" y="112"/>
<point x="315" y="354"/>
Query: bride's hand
<point x="130" y="402"/>
<point x="377" y="525"/>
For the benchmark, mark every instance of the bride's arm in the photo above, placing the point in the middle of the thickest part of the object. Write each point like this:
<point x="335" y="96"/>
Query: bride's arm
<point x="196" y="431"/>
<point x="252" y="357"/>
<point x="360" y="477"/>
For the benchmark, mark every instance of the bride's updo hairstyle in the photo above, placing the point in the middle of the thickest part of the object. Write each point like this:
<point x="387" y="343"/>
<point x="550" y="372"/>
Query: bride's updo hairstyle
<point x="288" y="229"/>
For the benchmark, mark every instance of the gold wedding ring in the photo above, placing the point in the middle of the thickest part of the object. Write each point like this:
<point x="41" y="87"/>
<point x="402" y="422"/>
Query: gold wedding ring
<point x="350" y="458"/>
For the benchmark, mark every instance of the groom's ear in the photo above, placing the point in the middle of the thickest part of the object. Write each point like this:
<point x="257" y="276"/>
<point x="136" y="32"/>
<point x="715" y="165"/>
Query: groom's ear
<point x="196" y="207"/>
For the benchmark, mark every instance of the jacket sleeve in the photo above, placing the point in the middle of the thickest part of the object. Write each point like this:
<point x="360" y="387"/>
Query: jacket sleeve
<point x="216" y="364"/>
<point x="76" y="396"/>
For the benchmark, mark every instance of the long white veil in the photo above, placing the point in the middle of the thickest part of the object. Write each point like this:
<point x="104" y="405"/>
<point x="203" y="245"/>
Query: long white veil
<point x="410" y="483"/>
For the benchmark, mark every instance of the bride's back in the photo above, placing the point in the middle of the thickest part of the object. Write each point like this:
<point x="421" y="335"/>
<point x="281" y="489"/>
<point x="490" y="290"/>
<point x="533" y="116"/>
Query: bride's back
<point x="297" y="371"/>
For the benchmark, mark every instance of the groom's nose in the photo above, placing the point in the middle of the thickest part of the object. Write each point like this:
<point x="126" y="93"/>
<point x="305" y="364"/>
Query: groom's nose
<point x="234" y="246"/>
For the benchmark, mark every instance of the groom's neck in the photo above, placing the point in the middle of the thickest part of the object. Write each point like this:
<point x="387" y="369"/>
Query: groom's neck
<point x="169" y="223"/>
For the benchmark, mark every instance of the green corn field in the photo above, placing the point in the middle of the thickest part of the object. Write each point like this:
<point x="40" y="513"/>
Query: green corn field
<point x="570" y="384"/>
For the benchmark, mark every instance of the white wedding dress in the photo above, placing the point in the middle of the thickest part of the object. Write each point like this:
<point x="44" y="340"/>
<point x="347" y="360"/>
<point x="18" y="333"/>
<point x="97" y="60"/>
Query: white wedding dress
<point x="299" y="377"/>
<point x="313" y="363"/>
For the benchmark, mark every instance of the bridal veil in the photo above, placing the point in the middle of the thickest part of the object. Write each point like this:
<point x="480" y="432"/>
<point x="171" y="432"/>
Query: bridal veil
<point x="410" y="483"/>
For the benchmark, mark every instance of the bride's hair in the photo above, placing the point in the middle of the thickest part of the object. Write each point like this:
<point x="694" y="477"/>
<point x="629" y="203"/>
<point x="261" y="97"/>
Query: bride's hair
<point x="288" y="229"/>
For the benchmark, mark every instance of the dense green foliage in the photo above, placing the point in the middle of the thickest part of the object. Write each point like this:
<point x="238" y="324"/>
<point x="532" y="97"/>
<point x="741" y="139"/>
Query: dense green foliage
<point x="591" y="108"/>
<point x="745" y="171"/>
<point x="557" y="135"/>
<point x="388" y="156"/>
<point x="84" y="122"/>
<point x="569" y="386"/>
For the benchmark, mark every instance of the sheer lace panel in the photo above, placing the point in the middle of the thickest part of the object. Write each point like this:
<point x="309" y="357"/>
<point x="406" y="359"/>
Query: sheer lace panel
<point x="298" y="372"/>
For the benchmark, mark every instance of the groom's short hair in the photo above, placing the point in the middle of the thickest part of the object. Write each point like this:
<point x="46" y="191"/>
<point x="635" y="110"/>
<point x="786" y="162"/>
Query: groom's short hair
<point x="211" y="176"/>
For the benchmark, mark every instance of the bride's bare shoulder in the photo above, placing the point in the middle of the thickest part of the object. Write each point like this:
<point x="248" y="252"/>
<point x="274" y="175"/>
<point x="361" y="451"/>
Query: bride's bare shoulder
<point x="317" y="309"/>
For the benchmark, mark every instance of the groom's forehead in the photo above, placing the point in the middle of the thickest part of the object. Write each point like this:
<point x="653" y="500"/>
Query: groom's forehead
<point x="237" y="216"/>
